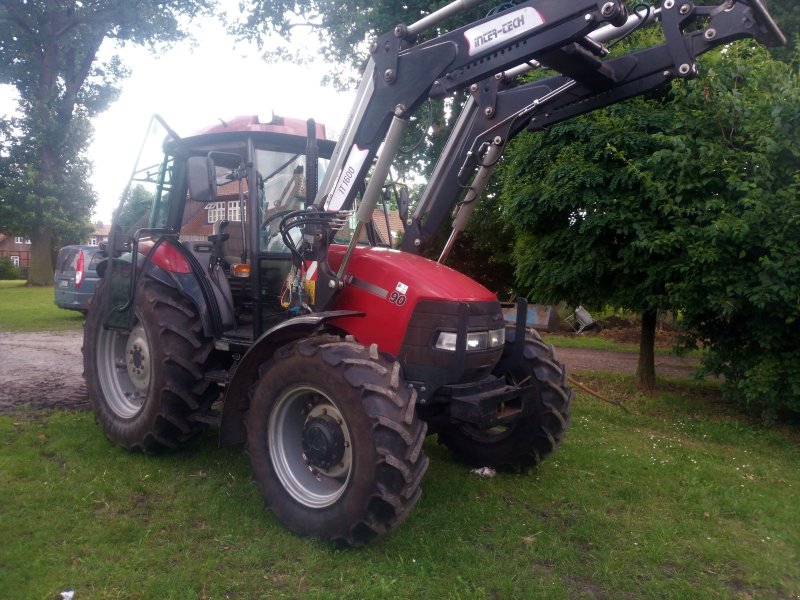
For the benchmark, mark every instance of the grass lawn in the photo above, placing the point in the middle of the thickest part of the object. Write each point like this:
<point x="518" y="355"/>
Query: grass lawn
<point x="25" y="308"/>
<point x="680" y="499"/>
<point x="601" y="343"/>
<point x="591" y="342"/>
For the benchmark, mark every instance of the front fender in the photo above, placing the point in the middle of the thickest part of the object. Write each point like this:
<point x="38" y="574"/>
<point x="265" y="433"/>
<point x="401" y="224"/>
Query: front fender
<point x="237" y="401"/>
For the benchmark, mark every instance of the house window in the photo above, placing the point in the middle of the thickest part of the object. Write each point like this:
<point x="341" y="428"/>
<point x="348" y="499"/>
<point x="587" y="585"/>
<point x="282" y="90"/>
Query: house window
<point x="93" y="241"/>
<point x="234" y="214"/>
<point x="216" y="211"/>
<point x="21" y="240"/>
<point x="15" y="261"/>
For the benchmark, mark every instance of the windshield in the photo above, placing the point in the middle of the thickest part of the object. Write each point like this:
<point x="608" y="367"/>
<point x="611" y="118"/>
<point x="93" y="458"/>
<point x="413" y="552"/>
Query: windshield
<point x="282" y="188"/>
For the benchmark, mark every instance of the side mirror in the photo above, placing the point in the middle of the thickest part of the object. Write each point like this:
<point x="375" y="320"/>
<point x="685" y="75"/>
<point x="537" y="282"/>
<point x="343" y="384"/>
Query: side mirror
<point x="402" y="204"/>
<point x="201" y="175"/>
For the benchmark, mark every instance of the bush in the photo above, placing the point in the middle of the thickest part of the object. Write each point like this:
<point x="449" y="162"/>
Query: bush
<point x="8" y="270"/>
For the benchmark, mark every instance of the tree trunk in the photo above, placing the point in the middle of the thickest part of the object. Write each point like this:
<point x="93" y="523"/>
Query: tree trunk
<point x="40" y="271"/>
<point x="646" y="368"/>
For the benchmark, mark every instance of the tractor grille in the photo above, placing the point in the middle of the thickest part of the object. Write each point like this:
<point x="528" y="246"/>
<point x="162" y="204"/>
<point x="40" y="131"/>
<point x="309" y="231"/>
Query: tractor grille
<point x="423" y="362"/>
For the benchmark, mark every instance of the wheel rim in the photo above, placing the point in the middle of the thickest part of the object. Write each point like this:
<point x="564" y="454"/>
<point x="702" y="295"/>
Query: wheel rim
<point x="310" y="447"/>
<point x="124" y="369"/>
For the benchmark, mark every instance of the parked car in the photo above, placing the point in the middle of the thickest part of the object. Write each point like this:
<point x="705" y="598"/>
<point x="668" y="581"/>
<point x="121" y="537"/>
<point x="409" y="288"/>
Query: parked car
<point x="76" y="276"/>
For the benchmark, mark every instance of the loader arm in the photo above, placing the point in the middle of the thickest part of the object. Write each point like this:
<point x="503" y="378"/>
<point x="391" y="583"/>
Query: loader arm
<point x="401" y="75"/>
<point x="494" y="113"/>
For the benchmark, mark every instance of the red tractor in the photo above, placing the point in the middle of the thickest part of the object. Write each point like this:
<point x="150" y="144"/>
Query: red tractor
<point x="256" y="272"/>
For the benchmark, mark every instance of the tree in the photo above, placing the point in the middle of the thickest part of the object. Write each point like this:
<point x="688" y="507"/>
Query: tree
<point x="53" y="213"/>
<point x="49" y="53"/>
<point x="737" y="150"/>
<point x="580" y="216"/>
<point x="137" y="206"/>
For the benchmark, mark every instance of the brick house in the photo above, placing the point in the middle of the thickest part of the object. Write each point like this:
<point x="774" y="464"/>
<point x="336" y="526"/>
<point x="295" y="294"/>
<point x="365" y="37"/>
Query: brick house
<point x="17" y="249"/>
<point x="99" y="235"/>
<point x="395" y="226"/>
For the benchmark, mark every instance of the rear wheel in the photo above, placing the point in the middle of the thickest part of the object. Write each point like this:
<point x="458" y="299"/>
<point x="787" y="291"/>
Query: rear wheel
<point x="146" y="386"/>
<point x="529" y="440"/>
<point x="334" y="440"/>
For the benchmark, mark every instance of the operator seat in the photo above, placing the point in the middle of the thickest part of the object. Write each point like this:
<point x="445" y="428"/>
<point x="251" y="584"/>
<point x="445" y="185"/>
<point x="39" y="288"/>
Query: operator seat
<point x="203" y="251"/>
<point x="230" y="239"/>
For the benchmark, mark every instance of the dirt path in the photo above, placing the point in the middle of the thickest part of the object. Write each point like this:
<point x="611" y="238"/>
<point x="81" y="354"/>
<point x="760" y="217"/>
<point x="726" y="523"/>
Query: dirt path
<point x="582" y="359"/>
<point x="44" y="370"/>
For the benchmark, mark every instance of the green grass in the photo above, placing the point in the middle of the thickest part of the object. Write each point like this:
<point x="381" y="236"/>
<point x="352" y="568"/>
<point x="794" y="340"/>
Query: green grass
<point x="590" y="342"/>
<point x="680" y="499"/>
<point x="27" y="308"/>
<point x="601" y="343"/>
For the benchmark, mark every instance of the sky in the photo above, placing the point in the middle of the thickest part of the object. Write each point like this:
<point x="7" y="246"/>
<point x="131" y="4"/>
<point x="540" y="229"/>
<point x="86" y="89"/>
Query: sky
<point x="194" y="87"/>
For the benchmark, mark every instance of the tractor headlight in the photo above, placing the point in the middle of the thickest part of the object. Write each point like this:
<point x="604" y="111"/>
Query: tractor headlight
<point x="476" y="340"/>
<point x="497" y="337"/>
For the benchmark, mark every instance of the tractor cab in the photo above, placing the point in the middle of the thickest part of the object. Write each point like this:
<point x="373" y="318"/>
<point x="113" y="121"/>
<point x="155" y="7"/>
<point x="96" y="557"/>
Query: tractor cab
<point x="206" y="209"/>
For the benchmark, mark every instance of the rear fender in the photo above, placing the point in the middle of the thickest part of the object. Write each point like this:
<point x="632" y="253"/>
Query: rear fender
<point x="232" y="429"/>
<point x="193" y="284"/>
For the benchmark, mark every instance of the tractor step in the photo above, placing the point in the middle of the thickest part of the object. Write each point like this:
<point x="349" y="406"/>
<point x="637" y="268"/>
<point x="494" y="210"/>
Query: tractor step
<point x="220" y="376"/>
<point x="212" y="418"/>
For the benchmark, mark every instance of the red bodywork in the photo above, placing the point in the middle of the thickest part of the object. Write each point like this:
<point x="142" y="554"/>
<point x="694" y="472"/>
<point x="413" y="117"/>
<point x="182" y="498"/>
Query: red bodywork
<point x="386" y="285"/>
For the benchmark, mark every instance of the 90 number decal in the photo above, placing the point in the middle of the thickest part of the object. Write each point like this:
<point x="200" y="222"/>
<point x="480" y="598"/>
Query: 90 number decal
<point x="397" y="298"/>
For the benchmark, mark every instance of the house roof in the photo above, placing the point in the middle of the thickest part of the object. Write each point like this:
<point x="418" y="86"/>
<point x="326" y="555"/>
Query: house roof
<point x="379" y="219"/>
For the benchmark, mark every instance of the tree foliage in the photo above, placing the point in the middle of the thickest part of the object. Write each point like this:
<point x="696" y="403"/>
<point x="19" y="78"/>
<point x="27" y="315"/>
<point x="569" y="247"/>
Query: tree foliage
<point x="341" y="30"/>
<point x="49" y="53"/>
<point x="787" y="15"/>
<point x="737" y="151"/>
<point x="137" y="205"/>
<point x="581" y="215"/>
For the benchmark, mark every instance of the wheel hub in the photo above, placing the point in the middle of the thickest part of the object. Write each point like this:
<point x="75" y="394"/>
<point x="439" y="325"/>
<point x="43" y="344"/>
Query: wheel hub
<point x="323" y="442"/>
<point x="137" y="359"/>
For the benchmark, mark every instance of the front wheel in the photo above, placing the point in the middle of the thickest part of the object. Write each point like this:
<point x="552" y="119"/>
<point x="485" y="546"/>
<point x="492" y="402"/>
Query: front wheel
<point x="334" y="440"/>
<point x="529" y="440"/>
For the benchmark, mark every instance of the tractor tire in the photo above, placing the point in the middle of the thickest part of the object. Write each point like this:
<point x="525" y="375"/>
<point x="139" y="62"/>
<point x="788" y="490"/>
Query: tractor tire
<point x="146" y="386"/>
<point x="529" y="440"/>
<point x="335" y="441"/>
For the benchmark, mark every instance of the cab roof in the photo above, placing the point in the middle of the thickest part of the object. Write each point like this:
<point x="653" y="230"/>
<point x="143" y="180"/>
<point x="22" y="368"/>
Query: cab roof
<point x="257" y="124"/>
<point x="279" y="131"/>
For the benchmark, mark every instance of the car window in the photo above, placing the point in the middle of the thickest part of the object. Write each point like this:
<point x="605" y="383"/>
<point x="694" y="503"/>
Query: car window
<point x="96" y="258"/>
<point x="66" y="260"/>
